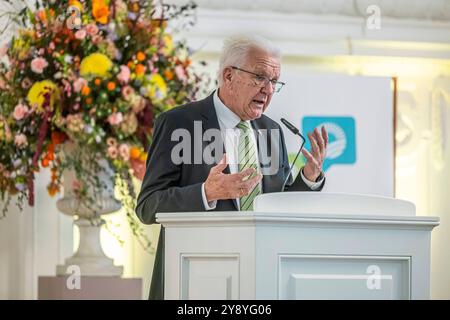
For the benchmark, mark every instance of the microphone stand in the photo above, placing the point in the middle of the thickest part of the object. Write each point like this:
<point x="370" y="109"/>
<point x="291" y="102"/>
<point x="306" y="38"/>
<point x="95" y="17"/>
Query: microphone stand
<point x="295" y="131"/>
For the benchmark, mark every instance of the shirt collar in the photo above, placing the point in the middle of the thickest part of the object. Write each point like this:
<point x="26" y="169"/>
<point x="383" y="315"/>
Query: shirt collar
<point x="224" y="114"/>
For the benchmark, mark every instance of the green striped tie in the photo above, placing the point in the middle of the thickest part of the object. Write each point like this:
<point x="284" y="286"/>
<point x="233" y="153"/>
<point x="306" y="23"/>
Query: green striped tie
<point x="247" y="158"/>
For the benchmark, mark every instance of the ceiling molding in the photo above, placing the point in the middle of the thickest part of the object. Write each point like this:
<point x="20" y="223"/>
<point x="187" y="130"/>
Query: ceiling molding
<point x="430" y="10"/>
<point x="309" y="34"/>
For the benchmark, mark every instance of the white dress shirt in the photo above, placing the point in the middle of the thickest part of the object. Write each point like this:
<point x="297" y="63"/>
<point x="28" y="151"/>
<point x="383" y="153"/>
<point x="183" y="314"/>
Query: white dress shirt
<point x="228" y="121"/>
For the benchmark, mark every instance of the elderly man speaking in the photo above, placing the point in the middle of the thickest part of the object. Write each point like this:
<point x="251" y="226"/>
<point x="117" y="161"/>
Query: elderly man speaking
<point x="248" y="77"/>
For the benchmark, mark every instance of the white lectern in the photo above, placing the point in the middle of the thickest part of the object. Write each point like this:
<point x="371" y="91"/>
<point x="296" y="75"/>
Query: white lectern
<point x="300" y="245"/>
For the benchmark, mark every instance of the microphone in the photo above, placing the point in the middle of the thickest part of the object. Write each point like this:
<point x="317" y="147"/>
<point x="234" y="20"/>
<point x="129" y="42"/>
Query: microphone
<point x="295" y="131"/>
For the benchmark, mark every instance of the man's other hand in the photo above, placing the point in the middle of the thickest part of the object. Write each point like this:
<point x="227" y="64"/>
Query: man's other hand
<point x="315" y="159"/>
<point x="221" y="186"/>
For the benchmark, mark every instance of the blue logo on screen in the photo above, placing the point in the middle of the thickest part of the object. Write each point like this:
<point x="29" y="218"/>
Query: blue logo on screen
<point x="341" y="138"/>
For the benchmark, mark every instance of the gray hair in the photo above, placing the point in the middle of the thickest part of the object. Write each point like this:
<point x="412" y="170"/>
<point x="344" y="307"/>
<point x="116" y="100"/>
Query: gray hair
<point x="236" y="48"/>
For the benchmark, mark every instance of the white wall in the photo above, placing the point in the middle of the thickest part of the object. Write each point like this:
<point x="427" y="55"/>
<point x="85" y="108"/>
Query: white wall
<point x="32" y="243"/>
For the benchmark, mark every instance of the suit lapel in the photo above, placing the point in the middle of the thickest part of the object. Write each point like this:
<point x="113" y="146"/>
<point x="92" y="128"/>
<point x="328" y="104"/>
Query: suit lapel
<point x="258" y="124"/>
<point x="210" y="121"/>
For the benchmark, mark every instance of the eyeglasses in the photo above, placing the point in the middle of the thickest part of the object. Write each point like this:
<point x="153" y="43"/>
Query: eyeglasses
<point x="262" y="81"/>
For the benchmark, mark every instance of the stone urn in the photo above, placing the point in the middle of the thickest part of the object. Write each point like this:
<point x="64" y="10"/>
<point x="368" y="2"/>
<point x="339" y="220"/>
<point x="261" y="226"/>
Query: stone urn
<point x="89" y="257"/>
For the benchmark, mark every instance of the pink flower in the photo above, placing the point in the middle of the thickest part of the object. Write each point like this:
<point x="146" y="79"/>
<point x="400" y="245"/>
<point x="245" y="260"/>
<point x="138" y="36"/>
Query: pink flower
<point x="80" y="34"/>
<point x="110" y="141"/>
<point x="96" y="39"/>
<point x="20" y="140"/>
<point x="112" y="152"/>
<point x="20" y="111"/>
<point x="124" y="74"/>
<point x="2" y="84"/>
<point x="41" y="51"/>
<point x="75" y="122"/>
<point x="91" y="29"/>
<point x="150" y="65"/>
<point x="127" y="92"/>
<point x="3" y="50"/>
<point x="26" y="83"/>
<point x="8" y="75"/>
<point x="6" y="174"/>
<point x="124" y="151"/>
<point x="76" y="185"/>
<point x="52" y="46"/>
<point x="138" y="104"/>
<point x="181" y="74"/>
<point x="115" y="118"/>
<point x="67" y="87"/>
<point x="79" y="84"/>
<point x="38" y="65"/>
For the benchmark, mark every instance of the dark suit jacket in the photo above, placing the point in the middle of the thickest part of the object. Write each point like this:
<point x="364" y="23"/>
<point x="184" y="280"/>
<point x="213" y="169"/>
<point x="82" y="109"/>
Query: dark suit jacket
<point x="168" y="187"/>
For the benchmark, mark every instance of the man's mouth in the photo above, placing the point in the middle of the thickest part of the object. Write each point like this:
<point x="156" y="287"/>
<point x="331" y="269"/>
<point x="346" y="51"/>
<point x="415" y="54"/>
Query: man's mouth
<point x="258" y="103"/>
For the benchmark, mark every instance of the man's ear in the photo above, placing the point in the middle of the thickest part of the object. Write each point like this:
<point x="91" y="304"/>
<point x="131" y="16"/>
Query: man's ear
<point x="227" y="75"/>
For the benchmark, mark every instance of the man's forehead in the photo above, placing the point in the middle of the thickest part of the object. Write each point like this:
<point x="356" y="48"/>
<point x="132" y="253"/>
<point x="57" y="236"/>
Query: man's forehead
<point x="271" y="69"/>
<point x="266" y="66"/>
<point x="263" y="59"/>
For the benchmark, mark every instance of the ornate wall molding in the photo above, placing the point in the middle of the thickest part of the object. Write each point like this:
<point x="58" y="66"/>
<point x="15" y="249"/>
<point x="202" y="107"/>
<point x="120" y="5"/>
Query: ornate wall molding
<point x="328" y="27"/>
<point x="431" y="10"/>
<point x="440" y="106"/>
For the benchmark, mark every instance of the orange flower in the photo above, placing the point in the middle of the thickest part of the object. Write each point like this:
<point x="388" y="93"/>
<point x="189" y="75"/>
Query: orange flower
<point x="52" y="189"/>
<point x="45" y="162"/>
<point x="51" y="147"/>
<point x="54" y="173"/>
<point x="97" y="81"/>
<point x="159" y="23"/>
<point x="138" y="168"/>
<point x="130" y="64"/>
<point x="88" y="101"/>
<point x="111" y="86"/>
<point x="168" y="74"/>
<point x="50" y="156"/>
<point x="58" y="137"/>
<point x="135" y="153"/>
<point x="42" y="15"/>
<point x="140" y="56"/>
<point x="100" y="11"/>
<point x="85" y="91"/>
<point x="134" y="7"/>
<point x="140" y="69"/>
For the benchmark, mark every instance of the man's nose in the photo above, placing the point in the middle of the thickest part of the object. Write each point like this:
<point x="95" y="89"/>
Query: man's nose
<point x="268" y="88"/>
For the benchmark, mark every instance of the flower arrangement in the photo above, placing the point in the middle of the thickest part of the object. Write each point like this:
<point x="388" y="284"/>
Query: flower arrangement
<point x="94" y="74"/>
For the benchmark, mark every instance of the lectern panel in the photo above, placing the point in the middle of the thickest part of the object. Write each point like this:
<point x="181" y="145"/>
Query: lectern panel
<point x="211" y="277"/>
<point x="344" y="277"/>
